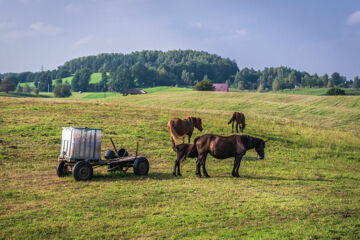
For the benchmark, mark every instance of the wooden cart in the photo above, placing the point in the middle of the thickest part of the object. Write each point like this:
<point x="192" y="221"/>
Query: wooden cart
<point x="81" y="152"/>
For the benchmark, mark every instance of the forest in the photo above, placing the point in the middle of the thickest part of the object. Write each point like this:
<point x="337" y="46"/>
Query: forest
<point x="172" y="68"/>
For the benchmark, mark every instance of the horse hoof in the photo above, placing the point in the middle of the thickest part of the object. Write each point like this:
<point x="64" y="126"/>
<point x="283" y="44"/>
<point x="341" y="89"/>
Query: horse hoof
<point x="198" y="175"/>
<point x="207" y="176"/>
<point x="180" y="174"/>
<point x="174" y="174"/>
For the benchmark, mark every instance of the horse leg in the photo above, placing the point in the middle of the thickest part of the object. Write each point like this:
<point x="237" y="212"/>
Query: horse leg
<point x="237" y="126"/>
<point x="232" y="127"/>
<point x="179" y="173"/>
<point x="189" y="135"/>
<point x="204" y="169"/>
<point x="175" y="166"/>
<point x="198" y="163"/>
<point x="183" y="138"/>
<point x="234" y="168"/>
<point x="238" y="161"/>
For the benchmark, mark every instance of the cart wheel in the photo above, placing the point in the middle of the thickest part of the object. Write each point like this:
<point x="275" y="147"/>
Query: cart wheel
<point x="61" y="169"/>
<point x="141" y="166"/>
<point x="82" y="171"/>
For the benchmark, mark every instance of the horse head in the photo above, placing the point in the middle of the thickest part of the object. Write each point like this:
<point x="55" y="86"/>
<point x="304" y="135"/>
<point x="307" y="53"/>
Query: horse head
<point x="260" y="148"/>
<point x="196" y="123"/>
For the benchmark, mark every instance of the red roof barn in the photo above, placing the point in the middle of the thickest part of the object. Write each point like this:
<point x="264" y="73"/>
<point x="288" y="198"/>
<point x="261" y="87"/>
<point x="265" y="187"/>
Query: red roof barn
<point x="221" y="87"/>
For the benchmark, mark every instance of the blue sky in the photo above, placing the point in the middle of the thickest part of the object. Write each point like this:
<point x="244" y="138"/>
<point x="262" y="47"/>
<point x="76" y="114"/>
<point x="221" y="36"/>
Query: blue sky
<point x="314" y="36"/>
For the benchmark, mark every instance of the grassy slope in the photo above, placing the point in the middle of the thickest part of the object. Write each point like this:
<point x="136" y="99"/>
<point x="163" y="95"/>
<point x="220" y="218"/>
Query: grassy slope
<point x="307" y="187"/>
<point x="94" y="78"/>
<point x="317" y="91"/>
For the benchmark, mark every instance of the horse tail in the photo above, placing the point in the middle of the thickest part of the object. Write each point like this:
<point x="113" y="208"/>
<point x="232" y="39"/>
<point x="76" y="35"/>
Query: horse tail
<point x="195" y="139"/>
<point x="193" y="152"/>
<point x="172" y="130"/>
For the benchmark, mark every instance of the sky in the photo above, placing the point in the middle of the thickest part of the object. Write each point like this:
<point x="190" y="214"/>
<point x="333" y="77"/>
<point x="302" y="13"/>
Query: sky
<point x="321" y="36"/>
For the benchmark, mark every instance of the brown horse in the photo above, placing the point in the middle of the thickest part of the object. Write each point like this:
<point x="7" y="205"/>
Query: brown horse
<point x="179" y="128"/>
<point x="239" y="118"/>
<point x="183" y="151"/>
<point x="222" y="147"/>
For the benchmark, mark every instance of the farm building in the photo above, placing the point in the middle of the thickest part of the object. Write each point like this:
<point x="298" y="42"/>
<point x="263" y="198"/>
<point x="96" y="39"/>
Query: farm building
<point x="221" y="87"/>
<point x="133" y="91"/>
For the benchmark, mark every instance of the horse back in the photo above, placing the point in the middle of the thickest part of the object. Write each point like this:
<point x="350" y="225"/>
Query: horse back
<point x="180" y="127"/>
<point x="220" y="147"/>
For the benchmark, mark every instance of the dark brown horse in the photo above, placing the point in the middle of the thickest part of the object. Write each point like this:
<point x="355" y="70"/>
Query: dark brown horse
<point x="179" y="128"/>
<point x="239" y="118"/>
<point x="183" y="151"/>
<point x="224" y="147"/>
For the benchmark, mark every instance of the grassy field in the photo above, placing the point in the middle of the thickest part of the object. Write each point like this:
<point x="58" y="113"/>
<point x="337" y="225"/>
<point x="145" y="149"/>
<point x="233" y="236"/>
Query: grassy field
<point x="306" y="188"/>
<point x="316" y="91"/>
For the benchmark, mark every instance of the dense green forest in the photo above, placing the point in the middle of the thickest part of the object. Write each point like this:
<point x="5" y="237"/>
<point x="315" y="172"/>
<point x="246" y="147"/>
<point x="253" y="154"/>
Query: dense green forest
<point x="177" y="67"/>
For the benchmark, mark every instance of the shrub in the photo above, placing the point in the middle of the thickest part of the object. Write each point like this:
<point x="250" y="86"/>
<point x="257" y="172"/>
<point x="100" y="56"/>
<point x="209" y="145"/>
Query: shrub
<point x="62" y="90"/>
<point x="204" y="85"/>
<point x="6" y="86"/>
<point x="27" y="88"/>
<point x="335" y="91"/>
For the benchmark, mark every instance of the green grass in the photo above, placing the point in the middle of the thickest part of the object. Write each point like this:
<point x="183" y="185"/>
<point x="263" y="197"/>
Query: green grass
<point x="166" y="89"/>
<point x="316" y="91"/>
<point x="306" y="188"/>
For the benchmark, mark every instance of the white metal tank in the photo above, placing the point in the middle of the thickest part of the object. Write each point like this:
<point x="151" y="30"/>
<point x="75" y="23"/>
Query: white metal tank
<point x="80" y="143"/>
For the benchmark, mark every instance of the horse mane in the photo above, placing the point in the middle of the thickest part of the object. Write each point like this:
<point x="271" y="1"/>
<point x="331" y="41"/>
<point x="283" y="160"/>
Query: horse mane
<point x="250" y="142"/>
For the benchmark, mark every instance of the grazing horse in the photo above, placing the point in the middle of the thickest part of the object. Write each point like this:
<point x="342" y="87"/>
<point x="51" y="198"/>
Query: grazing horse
<point x="179" y="128"/>
<point x="222" y="147"/>
<point x="183" y="151"/>
<point x="240" y="119"/>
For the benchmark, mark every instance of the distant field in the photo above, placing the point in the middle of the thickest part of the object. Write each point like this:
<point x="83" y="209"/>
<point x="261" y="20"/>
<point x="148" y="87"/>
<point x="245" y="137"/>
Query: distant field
<point x="166" y="89"/>
<point x="316" y="91"/>
<point x="94" y="78"/>
<point x="306" y="188"/>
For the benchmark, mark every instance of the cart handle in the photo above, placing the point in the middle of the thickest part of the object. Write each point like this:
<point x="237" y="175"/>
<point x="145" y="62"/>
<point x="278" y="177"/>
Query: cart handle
<point x="114" y="147"/>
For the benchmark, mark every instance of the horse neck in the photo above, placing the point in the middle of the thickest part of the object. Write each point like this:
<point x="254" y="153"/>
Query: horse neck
<point x="251" y="143"/>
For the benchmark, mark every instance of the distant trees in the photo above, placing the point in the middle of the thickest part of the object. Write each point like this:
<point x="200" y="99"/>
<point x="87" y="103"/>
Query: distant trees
<point x="204" y="85"/>
<point x="121" y="79"/>
<point x="276" y="85"/>
<point x="178" y="67"/>
<point x="62" y="90"/>
<point x="104" y="82"/>
<point x="81" y="80"/>
<point x="356" y="83"/>
<point x="45" y="83"/>
<point x="6" y="85"/>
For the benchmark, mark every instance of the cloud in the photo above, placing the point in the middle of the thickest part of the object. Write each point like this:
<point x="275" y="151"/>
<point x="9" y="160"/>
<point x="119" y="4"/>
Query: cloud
<point x="72" y="8"/>
<point x="354" y="18"/>
<point x="241" y="32"/>
<point x="6" y="25"/>
<point x="83" y="41"/>
<point x="197" y="25"/>
<point x="40" y="28"/>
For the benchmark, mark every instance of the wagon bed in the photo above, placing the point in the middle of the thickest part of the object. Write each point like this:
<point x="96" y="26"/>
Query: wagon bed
<point x="80" y="153"/>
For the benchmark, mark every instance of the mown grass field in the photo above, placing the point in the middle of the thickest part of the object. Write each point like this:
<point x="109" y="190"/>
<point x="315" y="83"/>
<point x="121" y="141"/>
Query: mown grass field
<point x="306" y="188"/>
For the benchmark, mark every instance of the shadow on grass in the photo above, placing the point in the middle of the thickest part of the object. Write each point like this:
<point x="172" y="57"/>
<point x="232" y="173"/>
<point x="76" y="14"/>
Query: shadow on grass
<point x="23" y="95"/>
<point x="131" y="176"/>
<point x="286" y="179"/>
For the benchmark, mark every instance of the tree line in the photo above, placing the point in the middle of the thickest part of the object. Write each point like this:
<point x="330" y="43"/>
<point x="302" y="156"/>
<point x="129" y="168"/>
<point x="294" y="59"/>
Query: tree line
<point x="177" y="67"/>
